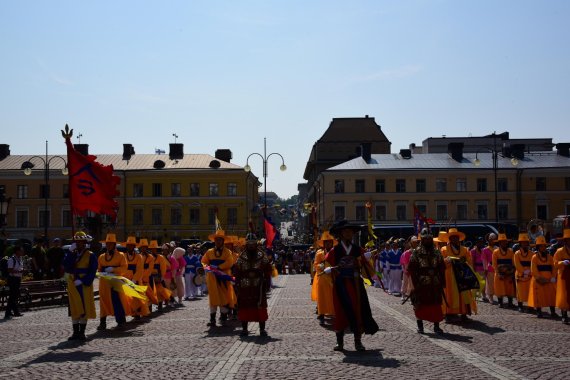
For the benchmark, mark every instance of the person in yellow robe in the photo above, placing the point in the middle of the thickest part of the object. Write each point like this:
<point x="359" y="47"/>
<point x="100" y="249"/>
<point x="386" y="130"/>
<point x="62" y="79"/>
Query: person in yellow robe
<point x="111" y="301"/>
<point x="80" y="266"/>
<point x="135" y="270"/>
<point x="218" y="262"/>
<point x="503" y="261"/>
<point x="323" y="280"/>
<point x="160" y="267"/>
<point x="522" y="260"/>
<point x="543" y="282"/>
<point x="148" y="265"/>
<point x="562" y="265"/>
<point x="456" y="302"/>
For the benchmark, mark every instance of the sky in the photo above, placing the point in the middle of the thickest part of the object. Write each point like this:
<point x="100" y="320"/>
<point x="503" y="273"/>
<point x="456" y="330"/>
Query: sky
<point x="227" y="74"/>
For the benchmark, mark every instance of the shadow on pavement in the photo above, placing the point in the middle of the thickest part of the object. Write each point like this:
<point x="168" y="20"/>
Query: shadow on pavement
<point x="452" y="337"/>
<point x="369" y="358"/>
<point x="260" y="340"/>
<point x="62" y="357"/>
<point x="479" y="326"/>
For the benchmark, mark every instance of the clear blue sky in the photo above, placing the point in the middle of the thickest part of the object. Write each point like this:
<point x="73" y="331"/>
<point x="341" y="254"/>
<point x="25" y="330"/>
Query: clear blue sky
<point x="225" y="74"/>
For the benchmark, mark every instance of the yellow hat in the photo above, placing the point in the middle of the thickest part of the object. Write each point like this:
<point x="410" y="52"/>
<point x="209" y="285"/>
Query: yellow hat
<point x="143" y="243"/>
<point x="81" y="236"/>
<point x="441" y="237"/>
<point x="502" y="237"/>
<point x="523" y="236"/>
<point x="217" y="234"/>
<point x="324" y="237"/>
<point x="153" y="244"/>
<point x="131" y="240"/>
<point x="455" y="232"/>
<point x="540" y="241"/>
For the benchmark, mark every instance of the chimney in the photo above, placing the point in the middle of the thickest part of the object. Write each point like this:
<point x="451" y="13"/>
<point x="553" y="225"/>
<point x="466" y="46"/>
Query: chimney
<point x="563" y="149"/>
<point x="4" y="151"/>
<point x="82" y="148"/>
<point x="456" y="151"/>
<point x="366" y="151"/>
<point x="128" y="151"/>
<point x="224" y="155"/>
<point x="517" y="151"/>
<point x="406" y="153"/>
<point x="176" y="151"/>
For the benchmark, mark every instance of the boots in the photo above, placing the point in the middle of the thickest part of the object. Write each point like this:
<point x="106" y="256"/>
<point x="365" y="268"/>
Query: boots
<point x="212" y="322"/>
<point x="553" y="314"/>
<point x="501" y="302"/>
<point x="244" y="331"/>
<point x="159" y="306"/>
<point x="437" y="329"/>
<point x="82" y="327"/>
<point x="321" y="319"/>
<point x="358" y="343"/>
<point x="339" y="342"/>
<point x="420" y="324"/>
<point x="510" y="303"/>
<point x="75" y="335"/>
<point x="102" y="324"/>
<point x="223" y="318"/>
<point x="520" y="307"/>
<point x="262" y="331"/>
<point x="565" y="317"/>
<point x="539" y="312"/>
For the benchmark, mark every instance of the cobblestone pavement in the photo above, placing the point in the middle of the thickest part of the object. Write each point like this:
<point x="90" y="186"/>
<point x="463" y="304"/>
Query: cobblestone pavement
<point x="496" y="344"/>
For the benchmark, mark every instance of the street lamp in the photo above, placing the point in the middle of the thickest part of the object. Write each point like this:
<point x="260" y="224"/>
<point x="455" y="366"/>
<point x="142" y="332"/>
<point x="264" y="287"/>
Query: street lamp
<point x="495" y="155"/>
<point x="28" y="166"/>
<point x="265" y="157"/>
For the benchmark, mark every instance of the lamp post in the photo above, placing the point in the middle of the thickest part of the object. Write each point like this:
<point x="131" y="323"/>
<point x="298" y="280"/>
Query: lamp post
<point x="265" y="157"/>
<point x="28" y="166"/>
<point x="495" y="156"/>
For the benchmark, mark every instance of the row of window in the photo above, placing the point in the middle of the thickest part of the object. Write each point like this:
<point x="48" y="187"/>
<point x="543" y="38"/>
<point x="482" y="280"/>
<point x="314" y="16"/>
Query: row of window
<point x="44" y="217"/>
<point x="177" y="217"/>
<point x="440" y="185"/>
<point x="176" y="190"/>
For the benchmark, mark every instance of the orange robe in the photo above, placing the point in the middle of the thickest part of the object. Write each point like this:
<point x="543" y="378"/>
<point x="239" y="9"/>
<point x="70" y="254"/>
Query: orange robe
<point x="456" y="302"/>
<point x="161" y="265"/>
<point x="563" y="282"/>
<point x="135" y="270"/>
<point x="220" y="293"/>
<point x="542" y="295"/>
<point x="504" y="270"/>
<point x="522" y="264"/>
<point x="324" y="287"/>
<point x="147" y="279"/>
<point x="106" y="304"/>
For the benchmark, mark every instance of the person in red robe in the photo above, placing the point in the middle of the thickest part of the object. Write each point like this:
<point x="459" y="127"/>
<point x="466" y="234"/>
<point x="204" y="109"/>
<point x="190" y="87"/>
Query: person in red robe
<point x="351" y="306"/>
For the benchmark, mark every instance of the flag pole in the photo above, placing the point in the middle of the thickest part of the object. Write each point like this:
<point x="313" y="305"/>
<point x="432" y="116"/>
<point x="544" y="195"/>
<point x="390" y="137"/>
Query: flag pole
<point x="67" y="133"/>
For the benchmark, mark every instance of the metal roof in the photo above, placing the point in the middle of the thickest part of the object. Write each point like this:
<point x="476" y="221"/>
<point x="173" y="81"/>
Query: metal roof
<point x="443" y="161"/>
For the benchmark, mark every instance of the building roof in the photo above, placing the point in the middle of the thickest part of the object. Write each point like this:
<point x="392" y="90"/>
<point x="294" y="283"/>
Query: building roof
<point x="443" y="161"/>
<point x="137" y="162"/>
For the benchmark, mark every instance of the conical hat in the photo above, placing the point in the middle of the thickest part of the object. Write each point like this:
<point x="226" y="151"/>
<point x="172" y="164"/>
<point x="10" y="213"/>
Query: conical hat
<point x="502" y="237"/>
<point x="455" y="232"/>
<point x="111" y="238"/>
<point x="143" y="243"/>
<point x="131" y="240"/>
<point x="540" y="241"/>
<point x="523" y="236"/>
<point x="153" y="244"/>
<point x="326" y="236"/>
<point x="217" y="234"/>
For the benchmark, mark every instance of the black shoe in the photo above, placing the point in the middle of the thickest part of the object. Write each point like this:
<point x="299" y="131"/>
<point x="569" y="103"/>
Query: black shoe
<point x="263" y="333"/>
<point x="244" y="333"/>
<point x="437" y="329"/>
<point x="539" y="314"/>
<point x="102" y="326"/>
<point x="420" y="330"/>
<point x="18" y="315"/>
<point x="554" y="316"/>
<point x="75" y="335"/>
<point x="81" y="335"/>
<point x="7" y="317"/>
<point x="420" y="324"/>
<point x="565" y="320"/>
<point x="464" y="318"/>
<point x="520" y="309"/>
<point x="338" y="347"/>
<point x="358" y="345"/>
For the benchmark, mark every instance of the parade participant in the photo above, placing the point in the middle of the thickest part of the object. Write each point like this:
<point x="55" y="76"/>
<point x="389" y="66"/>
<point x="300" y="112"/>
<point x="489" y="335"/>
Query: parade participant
<point x="503" y="257"/>
<point x="323" y="281"/>
<point x="159" y="271"/>
<point x="394" y="269"/>
<point x="253" y="276"/>
<point x="178" y="273"/>
<point x="562" y="264"/>
<point x="404" y="261"/>
<point x="458" y="296"/>
<point x="192" y="263"/>
<point x="427" y="273"/>
<point x="168" y="276"/>
<point x="384" y="263"/>
<point x="543" y="282"/>
<point x="14" y="280"/>
<point x="477" y="259"/>
<point x="489" y="270"/>
<point x="523" y="257"/>
<point x="441" y="240"/>
<point x="134" y="272"/>
<point x="350" y="300"/>
<point x="39" y="259"/>
<point x="80" y="266"/>
<point x="112" y="302"/>
<point x="148" y="266"/>
<point x="218" y="262"/>
<point x="55" y="256"/>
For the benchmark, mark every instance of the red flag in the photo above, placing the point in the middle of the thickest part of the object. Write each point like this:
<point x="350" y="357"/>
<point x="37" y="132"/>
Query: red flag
<point x="270" y="233"/>
<point x="92" y="186"/>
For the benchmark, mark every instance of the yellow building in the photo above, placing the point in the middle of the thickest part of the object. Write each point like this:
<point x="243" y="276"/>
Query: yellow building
<point x="164" y="197"/>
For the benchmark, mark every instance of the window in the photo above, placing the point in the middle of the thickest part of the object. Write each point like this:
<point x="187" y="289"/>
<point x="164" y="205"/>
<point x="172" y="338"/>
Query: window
<point x="380" y="186"/>
<point x="232" y="216"/>
<point x="214" y="191"/>
<point x="502" y="184"/>
<point x="567" y="184"/>
<point x="22" y="191"/>
<point x="440" y="185"/>
<point x="461" y="184"/>
<point x="359" y="186"/>
<point x="44" y="218"/>
<point x="481" y="184"/>
<point x="338" y="212"/>
<point x="232" y="189"/>
<point x="540" y="184"/>
<point x="175" y="190"/>
<point x="156" y="217"/>
<point x="212" y="216"/>
<point x="22" y="218"/>
<point x="441" y="211"/>
<point x="65" y="188"/>
<point x="400" y="186"/>
<point x="482" y="211"/>
<point x="420" y="185"/>
<point x="137" y="190"/>
<point x="503" y="211"/>
<point x="542" y="211"/>
<point x="175" y="216"/>
<point x="194" y="189"/>
<point x="381" y="212"/>
<point x="401" y="212"/>
<point x="66" y="220"/>
<point x="461" y="211"/>
<point x="194" y="216"/>
<point x="138" y="216"/>
<point x="157" y="189"/>
<point x="360" y="213"/>
<point x="44" y="191"/>
<point x="339" y="186"/>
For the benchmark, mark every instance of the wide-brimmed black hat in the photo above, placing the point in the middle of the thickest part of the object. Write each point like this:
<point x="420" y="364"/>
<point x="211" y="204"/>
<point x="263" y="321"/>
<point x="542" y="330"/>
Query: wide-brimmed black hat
<point x="342" y="225"/>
